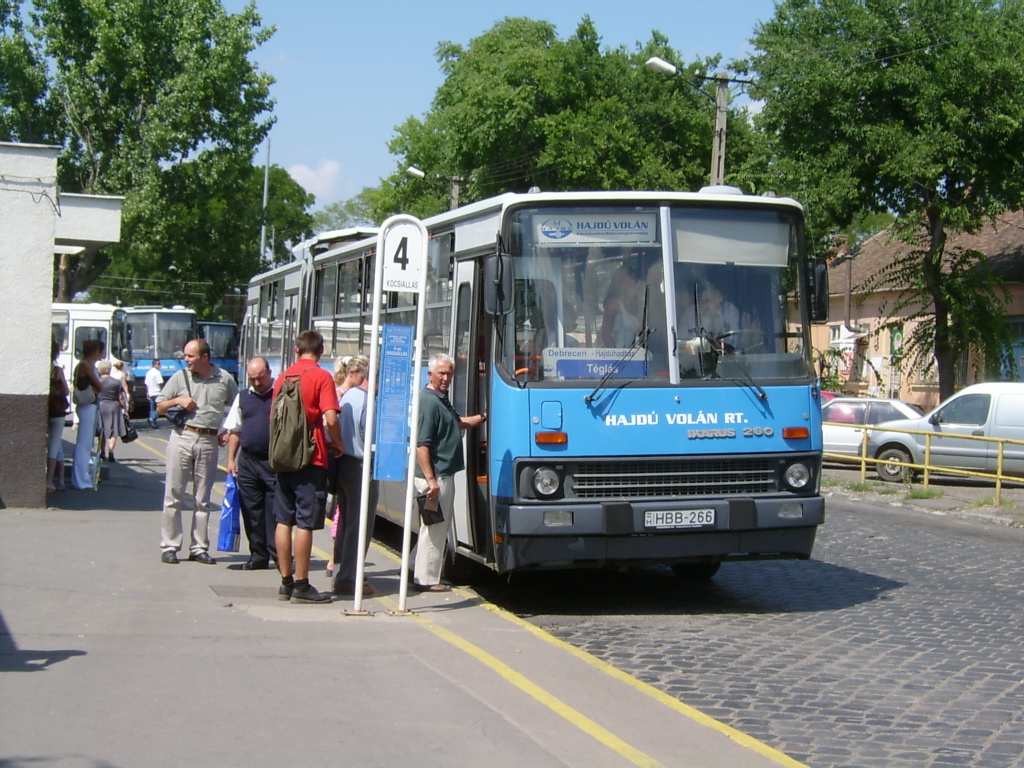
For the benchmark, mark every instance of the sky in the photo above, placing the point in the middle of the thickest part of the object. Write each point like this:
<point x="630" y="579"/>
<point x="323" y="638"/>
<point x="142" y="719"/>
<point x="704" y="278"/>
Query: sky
<point x="348" y="73"/>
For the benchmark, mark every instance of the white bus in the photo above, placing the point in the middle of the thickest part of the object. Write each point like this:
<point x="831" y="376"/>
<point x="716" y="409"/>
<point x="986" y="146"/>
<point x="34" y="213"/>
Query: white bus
<point x="276" y="307"/>
<point x="72" y="324"/>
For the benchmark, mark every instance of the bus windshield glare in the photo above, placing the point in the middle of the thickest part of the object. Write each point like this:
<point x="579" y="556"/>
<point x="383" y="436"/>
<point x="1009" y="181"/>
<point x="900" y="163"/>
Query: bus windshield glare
<point x="680" y="295"/>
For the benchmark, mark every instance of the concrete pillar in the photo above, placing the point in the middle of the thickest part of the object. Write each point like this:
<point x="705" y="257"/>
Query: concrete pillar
<point x="28" y="212"/>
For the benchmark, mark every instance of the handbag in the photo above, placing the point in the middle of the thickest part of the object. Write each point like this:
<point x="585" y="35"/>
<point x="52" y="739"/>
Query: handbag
<point x="57" y="405"/>
<point x="430" y="515"/>
<point x="230" y="513"/>
<point x="94" y="470"/>
<point x="84" y="396"/>
<point x="178" y="416"/>
<point x="130" y="433"/>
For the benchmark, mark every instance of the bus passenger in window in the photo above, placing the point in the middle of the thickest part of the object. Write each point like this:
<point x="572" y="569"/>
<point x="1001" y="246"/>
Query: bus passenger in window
<point x="622" y="309"/>
<point x="717" y="315"/>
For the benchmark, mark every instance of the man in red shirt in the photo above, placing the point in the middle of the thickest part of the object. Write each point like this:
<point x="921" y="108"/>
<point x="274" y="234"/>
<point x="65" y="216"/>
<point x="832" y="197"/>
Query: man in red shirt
<point x="301" y="499"/>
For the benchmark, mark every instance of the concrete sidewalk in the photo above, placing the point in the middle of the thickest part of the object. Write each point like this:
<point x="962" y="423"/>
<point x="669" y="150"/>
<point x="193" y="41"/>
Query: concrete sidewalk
<point x="963" y="497"/>
<point x="111" y="658"/>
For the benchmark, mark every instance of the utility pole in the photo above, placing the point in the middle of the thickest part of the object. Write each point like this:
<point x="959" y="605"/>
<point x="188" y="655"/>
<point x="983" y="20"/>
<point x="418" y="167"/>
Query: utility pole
<point x="456" y="181"/>
<point x="722" y="80"/>
<point x="263" y="214"/>
<point x="721" y="115"/>
<point x="454" y="202"/>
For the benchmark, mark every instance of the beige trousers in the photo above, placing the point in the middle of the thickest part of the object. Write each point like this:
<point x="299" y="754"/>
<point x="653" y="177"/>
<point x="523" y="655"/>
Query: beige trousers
<point x="191" y="458"/>
<point x="432" y="538"/>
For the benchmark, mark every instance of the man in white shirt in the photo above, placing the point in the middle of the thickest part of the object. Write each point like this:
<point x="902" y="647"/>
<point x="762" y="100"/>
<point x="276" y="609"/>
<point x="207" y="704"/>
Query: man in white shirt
<point x="154" y="383"/>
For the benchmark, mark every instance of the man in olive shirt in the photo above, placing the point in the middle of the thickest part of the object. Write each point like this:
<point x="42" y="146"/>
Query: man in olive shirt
<point x="205" y="391"/>
<point x="438" y="458"/>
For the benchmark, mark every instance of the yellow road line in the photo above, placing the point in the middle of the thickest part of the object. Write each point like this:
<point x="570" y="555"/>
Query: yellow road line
<point x="527" y="686"/>
<point x="523" y="683"/>
<point x="660" y="696"/>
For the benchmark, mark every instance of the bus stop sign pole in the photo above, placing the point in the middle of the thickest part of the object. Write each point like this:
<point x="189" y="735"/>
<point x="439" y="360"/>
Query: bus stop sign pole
<point x="400" y="265"/>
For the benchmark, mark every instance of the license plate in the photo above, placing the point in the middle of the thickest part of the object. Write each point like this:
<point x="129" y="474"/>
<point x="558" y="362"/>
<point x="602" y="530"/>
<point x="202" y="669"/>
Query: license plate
<point x="679" y="518"/>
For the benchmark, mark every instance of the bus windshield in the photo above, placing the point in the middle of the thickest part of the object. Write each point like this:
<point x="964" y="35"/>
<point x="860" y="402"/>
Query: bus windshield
<point x="683" y="294"/>
<point x="222" y="338"/>
<point x="160" y="334"/>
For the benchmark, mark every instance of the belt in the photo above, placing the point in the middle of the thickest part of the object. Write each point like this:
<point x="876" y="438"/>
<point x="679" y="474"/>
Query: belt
<point x="201" y="430"/>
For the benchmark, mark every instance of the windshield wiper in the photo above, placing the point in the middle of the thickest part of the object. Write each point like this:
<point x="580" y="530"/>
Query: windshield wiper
<point x="641" y="340"/>
<point x="747" y="379"/>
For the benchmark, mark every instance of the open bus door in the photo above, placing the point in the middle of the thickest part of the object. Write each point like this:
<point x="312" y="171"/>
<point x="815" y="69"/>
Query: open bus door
<point x="472" y="528"/>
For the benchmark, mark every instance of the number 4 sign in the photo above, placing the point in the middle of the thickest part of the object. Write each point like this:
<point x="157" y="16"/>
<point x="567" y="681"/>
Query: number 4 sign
<point x="405" y="254"/>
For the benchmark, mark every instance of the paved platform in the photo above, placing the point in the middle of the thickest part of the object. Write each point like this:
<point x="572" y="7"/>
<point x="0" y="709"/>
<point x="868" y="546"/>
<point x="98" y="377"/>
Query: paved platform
<point x="111" y="658"/>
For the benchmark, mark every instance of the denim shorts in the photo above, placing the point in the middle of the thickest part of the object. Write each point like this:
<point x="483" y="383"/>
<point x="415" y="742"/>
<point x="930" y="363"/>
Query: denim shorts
<point x="301" y="498"/>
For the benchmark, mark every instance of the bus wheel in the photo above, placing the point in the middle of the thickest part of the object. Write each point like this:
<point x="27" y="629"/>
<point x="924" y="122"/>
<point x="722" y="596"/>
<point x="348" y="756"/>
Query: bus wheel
<point x="891" y="466"/>
<point x="696" y="571"/>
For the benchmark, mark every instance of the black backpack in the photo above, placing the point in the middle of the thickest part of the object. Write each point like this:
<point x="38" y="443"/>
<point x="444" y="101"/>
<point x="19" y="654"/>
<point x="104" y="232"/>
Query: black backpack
<point x="291" y="438"/>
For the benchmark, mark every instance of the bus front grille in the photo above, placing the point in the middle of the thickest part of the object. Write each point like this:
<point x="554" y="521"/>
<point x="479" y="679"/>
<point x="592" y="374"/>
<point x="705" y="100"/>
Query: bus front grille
<point x="669" y="478"/>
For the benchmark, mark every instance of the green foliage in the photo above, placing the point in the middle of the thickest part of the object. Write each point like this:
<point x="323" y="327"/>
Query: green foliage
<point x="924" y="493"/>
<point x="975" y="318"/>
<point x="912" y="107"/>
<point x="828" y="361"/>
<point x="355" y="212"/>
<point x="159" y="102"/>
<point x="24" y="114"/>
<point x="210" y="206"/>
<point x="521" y="108"/>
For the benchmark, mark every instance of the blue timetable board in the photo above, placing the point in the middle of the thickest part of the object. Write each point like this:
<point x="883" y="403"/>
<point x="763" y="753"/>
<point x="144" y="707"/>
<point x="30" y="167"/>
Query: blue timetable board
<point x="394" y="400"/>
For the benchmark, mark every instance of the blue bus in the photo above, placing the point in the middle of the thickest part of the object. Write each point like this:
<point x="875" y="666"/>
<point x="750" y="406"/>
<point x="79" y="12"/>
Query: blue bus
<point x="157" y="332"/>
<point x="222" y="336"/>
<point x="644" y="358"/>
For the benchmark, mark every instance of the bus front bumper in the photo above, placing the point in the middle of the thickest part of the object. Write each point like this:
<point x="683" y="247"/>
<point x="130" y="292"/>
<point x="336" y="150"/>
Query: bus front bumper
<point x="563" y="535"/>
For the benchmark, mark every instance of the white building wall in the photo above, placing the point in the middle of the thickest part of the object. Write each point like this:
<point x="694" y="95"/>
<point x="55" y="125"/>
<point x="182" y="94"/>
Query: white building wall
<point x="28" y="200"/>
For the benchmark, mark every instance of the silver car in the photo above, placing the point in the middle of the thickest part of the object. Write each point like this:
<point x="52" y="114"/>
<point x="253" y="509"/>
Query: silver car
<point x="992" y="410"/>
<point x="857" y="411"/>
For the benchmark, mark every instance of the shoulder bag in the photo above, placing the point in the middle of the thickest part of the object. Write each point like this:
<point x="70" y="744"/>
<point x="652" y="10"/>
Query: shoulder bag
<point x="83" y="396"/>
<point x="177" y="415"/>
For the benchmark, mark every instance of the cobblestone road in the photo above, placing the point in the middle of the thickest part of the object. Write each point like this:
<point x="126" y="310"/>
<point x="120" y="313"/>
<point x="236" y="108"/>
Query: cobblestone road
<point x="900" y="644"/>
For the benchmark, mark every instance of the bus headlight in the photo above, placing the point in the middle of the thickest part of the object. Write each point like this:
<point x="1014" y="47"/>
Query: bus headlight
<point x="546" y="482"/>
<point x="797" y="476"/>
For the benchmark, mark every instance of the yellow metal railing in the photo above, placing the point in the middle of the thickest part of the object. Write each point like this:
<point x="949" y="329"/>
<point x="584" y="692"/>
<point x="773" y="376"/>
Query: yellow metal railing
<point x="863" y="459"/>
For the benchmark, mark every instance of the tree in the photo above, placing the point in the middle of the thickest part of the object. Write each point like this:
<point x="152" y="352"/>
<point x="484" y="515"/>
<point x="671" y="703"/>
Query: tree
<point x="24" y="114"/>
<point x="212" y="213"/>
<point x="521" y="108"/>
<point x="354" y="212"/>
<point x="914" y="107"/>
<point x="159" y="102"/>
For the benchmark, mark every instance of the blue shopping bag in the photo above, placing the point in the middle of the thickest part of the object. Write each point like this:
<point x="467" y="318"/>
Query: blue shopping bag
<point x="230" y="517"/>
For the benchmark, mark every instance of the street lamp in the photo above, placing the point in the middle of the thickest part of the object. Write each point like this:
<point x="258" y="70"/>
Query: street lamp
<point x="721" y="101"/>
<point x="416" y="173"/>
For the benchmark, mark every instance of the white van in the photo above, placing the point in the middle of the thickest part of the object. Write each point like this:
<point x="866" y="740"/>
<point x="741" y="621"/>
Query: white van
<point x="994" y="410"/>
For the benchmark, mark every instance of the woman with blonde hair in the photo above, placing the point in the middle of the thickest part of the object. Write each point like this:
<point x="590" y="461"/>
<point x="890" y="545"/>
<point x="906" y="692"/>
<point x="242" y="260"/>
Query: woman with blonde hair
<point x="340" y="375"/>
<point x="112" y="404"/>
<point x="352" y="420"/>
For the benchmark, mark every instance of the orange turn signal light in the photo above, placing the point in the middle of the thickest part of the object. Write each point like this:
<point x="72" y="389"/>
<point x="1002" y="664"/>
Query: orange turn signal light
<point x="551" y="438"/>
<point x="795" y="433"/>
